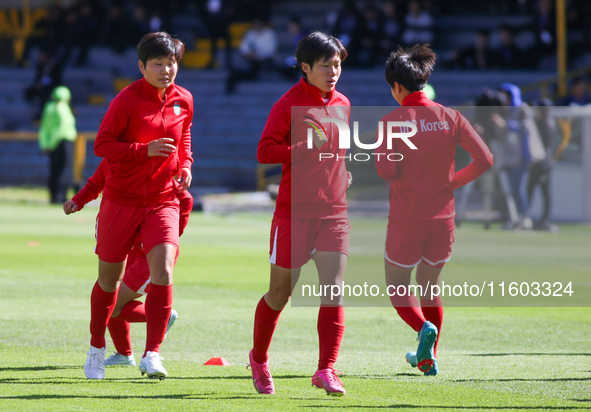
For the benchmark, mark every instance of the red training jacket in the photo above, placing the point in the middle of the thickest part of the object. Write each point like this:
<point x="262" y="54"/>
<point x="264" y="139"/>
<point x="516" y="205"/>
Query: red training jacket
<point x="96" y="184"/>
<point x="137" y="116"/>
<point x="310" y="187"/>
<point x="423" y="182"/>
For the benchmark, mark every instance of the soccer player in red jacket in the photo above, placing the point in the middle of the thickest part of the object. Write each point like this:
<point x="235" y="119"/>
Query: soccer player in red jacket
<point x="310" y="219"/>
<point x="136" y="279"/>
<point x="146" y="138"/>
<point x="421" y="219"/>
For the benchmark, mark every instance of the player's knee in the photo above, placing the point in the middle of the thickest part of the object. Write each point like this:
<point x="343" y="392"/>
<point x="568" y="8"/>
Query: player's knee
<point x="108" y="284"/>
<point x="161" y="276"/>
<point x="277" y="299"/>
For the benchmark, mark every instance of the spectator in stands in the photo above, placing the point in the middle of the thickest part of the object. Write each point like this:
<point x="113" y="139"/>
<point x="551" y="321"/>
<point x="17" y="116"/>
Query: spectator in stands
<point x="489" y="123"/>
<point x="258" y="48"/>
<point x="48" y="75"/>
<point x="545" y="28"/>
<point x="114" y="32"/>
<point x="579" y="93"/>
<point x="578" y="21"/>
<point x="508" y="54"/>
<point x="418" y="25"/>
<point x="86" y="32"/>
<point x="45" y="33"/>
<point x="478" y="56"/>
<point x="345" y="24"/>
<point x="218" y="15"/>
<point x="370" y="33"/>
<point x="296" y="32"/>
<point x="391" y="29"/>
<point x="540" y="169"/>
<point x="139" y="25"/>
<point x="56" y="136"/>
<point x="518" y="142"/>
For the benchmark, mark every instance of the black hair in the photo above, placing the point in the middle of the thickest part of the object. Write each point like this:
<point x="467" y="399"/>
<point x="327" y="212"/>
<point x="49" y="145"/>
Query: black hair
<point x="410" y="67"/>
<point x="543" y="102"/>
<point x="159" y="44"/>
<point x="318" y="46"/>
<point x="491" y="98"/>
<point x="577" y="80"/>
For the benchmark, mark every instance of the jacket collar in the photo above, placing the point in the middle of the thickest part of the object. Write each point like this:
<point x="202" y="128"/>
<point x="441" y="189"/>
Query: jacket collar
<point x="314" y="92"/>
<point x="150" y="90"/>
<point x="418" y="99"/>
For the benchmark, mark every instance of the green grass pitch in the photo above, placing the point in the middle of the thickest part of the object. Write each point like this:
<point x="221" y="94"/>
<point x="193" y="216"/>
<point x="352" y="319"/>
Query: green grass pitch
<point x="499" y="358"/>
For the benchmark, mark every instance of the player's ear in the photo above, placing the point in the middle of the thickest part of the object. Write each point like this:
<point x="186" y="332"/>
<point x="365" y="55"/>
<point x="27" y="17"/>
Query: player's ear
<point x="305" y="67"/>
<point x="141" y="66"/>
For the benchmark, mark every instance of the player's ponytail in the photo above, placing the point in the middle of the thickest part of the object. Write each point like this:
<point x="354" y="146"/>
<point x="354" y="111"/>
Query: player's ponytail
<point x="423" y="57"/>
<point x="410" y="67"/>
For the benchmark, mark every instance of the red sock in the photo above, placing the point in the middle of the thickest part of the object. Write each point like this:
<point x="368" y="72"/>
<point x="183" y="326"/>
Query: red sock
<point x="119" y="330"/>
<point x="409" y="310"/>
<point x="265" y="321"/>
<point x="331" y="327"/>
<point x="134" y="311"/>
<point x="433" y="312"/>
<point x="158" y="306"/>
<point x="101" y="307"/>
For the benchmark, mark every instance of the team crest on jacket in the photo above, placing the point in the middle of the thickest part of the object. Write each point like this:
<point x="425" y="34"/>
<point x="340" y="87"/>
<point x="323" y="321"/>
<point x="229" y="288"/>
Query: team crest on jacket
<point x="177" y="108"/>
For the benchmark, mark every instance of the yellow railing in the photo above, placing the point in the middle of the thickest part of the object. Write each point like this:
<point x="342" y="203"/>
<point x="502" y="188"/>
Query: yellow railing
<point x="263" y="180"/>
<point x="549" y="87"/>
<point x="79" y="149"/>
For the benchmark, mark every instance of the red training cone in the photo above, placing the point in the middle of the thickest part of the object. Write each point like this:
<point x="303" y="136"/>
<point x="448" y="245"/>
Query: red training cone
<point x="218" y="362"/>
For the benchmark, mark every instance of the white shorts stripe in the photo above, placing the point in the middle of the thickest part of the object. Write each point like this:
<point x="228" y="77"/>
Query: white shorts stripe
<point x="96" y="233"/>
<point x="142" y="290"/>
<point x="399" y="264"/>
<point x="273" y="258"/>
<point x="436" y="263"/>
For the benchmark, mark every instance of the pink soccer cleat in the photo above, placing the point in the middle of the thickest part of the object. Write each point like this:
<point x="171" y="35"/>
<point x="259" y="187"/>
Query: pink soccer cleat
<point x="261" y="377"/>
<point x="328" y="380"/>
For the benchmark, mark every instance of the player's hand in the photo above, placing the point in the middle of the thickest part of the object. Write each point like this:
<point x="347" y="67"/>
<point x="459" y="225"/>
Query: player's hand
<point x="184" y="179"/>
<point x="70" y="207"/>
<point x="349" y="179"/>
<point x="319" y="139"/>
<point x="161" y="147"/>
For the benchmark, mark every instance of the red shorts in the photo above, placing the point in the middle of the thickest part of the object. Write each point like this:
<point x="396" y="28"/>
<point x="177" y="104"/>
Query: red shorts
<point x="294" y="241"/>
<point x="117" y="226"/>
<point x="409" y="250"/>
<point x="137" y="273"/>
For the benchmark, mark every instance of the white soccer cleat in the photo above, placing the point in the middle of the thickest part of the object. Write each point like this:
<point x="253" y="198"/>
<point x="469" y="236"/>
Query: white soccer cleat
<point x="173" y="317"/>
<point x="151" y="364"/>
<point x="117" y="359"/>
<point x="94" y="368"/>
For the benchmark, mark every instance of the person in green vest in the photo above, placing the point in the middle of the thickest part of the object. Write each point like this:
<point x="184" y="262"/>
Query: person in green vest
<point x="56" y="136"/>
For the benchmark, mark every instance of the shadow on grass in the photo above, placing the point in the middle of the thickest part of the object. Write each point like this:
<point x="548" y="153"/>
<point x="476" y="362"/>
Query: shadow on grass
<point x="384" y="377"/>
<point x="434" y="407"/>
<point x="39" y="368"/>
<point x="525" y="354"/>
<point x="526" y="380"/>
<point x="204" y="396"/>
<point x="73" y="380"/>
<point x="239" y="377"/>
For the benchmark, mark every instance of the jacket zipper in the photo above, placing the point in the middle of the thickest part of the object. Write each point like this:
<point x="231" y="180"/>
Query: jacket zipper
<point x="330" y="142"/>
<point x="152" y="163"/>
